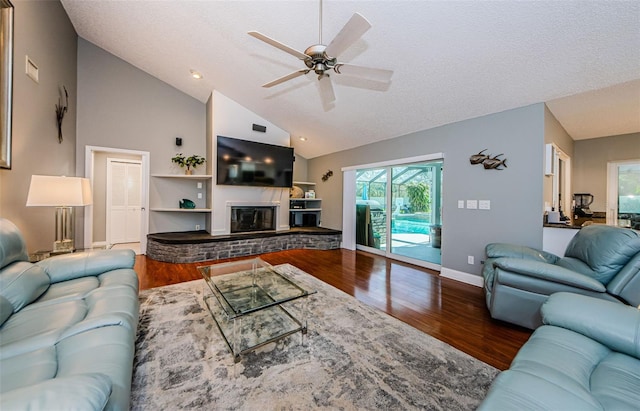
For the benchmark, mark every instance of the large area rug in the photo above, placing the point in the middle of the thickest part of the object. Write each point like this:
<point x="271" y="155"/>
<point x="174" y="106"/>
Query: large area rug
<point x="353" y="357"/>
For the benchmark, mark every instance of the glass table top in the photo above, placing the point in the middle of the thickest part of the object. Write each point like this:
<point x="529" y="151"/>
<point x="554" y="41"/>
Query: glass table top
<point x="246" y="286"/>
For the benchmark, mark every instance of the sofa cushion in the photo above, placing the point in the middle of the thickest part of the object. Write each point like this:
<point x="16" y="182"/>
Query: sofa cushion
<point x="616" y="382"/>
<point x="70" y="266"/>
<point x="34" y="321"/>
<point x="71" y="289"/>
<point x="6" y="309"/>
<point x="78" y="392"/>
<point x="106" y="350"/>
<point x="12" y="245"/>
<point x="28" y="369"/>
<point x="22" y="283"/>
<point x="606" y="249"/>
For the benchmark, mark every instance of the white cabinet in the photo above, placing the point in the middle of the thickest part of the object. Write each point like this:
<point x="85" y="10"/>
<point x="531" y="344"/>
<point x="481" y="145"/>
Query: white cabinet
<point x="305" y="212"/>
<point x="172" y="188"/>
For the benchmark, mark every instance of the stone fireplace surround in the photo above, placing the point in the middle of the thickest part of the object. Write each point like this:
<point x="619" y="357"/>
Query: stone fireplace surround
<point x="197" y="246"/>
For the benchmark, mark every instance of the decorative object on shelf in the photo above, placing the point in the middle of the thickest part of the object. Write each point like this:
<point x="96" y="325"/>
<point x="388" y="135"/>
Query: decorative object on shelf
<point x="192" y="161"/>
<point x="296" y="192"/>
<point x="489" y="163"/>
<point x="61" y="110"/>
<point x="310" y="194"/>
<point x="327" y="175"/>
<point x="188" y="204"/>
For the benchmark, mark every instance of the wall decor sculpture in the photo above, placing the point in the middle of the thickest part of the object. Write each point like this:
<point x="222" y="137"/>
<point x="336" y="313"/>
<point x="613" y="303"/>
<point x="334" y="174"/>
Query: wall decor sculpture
<point x="61" y="110"/>
<point x="489" y="163"/>
<point x="326" y="175"/>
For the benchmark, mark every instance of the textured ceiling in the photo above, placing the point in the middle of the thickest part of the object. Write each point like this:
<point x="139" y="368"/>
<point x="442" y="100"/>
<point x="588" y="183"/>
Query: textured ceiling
<point x="452" y="60"/>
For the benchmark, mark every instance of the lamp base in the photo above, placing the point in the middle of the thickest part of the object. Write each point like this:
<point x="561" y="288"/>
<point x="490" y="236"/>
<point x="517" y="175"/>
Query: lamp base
<point x="63" y="246"/>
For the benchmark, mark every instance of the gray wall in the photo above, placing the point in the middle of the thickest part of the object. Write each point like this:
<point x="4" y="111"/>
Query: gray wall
<point x="120" y="106"/>
<point x="590" y="163"/>
<point x="300" y="169"/>
<point x="42" y="31"/>
<point x="515" y="193"/>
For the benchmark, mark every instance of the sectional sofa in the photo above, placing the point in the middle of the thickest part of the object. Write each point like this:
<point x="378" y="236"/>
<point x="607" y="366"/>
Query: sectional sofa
<point x="585" y="357"/>
<point x="67" y="328"/>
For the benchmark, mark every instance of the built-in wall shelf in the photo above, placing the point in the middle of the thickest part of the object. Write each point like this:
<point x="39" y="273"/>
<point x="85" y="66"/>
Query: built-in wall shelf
<point x="183" y="210"/>
<point x="185" y="176"/>
<point x="171" y="189"/>
<point x="304" y="183"/>
<point x="305" y="212"/>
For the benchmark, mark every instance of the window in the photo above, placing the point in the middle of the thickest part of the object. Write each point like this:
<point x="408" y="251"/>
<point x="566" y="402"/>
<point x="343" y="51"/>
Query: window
<point x="623" y="193"/>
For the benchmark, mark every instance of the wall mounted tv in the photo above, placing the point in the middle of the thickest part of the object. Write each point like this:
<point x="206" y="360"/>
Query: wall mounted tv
<point x="249" y="163"/>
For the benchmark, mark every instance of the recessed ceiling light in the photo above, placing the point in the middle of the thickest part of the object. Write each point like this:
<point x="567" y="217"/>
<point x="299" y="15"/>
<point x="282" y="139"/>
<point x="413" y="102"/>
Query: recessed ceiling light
<point x="303" y="139"/>
<point x="196" y="74"/>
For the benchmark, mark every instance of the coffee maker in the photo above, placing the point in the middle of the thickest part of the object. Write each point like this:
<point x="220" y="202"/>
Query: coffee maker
<point x="582" y="201"/>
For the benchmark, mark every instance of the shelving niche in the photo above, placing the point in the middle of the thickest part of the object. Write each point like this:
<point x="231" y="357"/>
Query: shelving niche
<point x="305" y="212"/>
<point x="171" y="193"/>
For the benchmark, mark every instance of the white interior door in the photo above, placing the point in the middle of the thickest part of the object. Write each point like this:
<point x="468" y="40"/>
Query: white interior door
<point x="124" y="201"/>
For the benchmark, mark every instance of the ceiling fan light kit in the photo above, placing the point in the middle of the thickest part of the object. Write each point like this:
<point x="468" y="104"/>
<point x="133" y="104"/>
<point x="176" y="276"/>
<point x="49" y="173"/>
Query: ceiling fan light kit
<point x="321" y="59"/>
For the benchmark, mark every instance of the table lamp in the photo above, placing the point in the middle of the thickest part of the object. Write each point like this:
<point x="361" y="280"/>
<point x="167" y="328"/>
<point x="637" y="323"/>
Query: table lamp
<point x="63" y="193"/>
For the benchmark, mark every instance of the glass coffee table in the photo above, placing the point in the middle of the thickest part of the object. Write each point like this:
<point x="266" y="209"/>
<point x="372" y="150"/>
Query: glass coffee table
<point x="246" y="301"/>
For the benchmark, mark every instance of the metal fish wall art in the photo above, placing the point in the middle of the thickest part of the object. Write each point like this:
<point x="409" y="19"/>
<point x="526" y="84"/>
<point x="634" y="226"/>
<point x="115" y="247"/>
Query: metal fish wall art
<point x="495" y="163"/>
<point x="489" y="162"/>
<point x="478" y="158"/>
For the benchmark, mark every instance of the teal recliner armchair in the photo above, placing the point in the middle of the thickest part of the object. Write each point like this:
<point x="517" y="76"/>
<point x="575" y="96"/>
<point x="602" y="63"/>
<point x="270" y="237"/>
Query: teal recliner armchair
<point x="586" y="357"/>
<point x="600" y="261"/>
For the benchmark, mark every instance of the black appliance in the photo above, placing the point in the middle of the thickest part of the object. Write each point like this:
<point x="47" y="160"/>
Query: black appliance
<point x="249" y="163"/>
<point x="582" y="202"/>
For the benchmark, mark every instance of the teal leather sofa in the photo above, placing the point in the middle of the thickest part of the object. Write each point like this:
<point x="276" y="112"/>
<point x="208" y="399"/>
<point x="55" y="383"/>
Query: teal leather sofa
<point x="586" y="357"/>
<point x="67" y="328"/>
<point x="600" y="261"/>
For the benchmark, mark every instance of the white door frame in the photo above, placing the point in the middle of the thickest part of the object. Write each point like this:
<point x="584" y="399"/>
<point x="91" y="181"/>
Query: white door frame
<point x="89" y="159"/>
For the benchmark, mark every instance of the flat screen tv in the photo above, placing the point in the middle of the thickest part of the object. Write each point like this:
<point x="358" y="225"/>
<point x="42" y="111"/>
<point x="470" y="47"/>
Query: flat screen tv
<point x="249" y="163"/>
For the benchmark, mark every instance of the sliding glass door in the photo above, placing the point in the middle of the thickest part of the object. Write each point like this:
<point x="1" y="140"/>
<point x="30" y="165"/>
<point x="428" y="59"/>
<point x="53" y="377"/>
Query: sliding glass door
<point x="371" y="208"/>
<point x="415" y="221"/>
<point x="398" y="211"/>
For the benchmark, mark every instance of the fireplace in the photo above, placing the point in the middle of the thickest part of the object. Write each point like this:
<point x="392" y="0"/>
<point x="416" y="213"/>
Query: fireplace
<point x="253" y="218"/>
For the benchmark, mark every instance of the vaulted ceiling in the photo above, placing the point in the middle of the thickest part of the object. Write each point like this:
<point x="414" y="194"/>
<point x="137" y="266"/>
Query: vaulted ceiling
<point x="452" y="60"/>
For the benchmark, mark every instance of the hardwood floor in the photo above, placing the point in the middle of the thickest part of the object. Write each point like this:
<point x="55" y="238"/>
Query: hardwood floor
<point x="449" y="310"/>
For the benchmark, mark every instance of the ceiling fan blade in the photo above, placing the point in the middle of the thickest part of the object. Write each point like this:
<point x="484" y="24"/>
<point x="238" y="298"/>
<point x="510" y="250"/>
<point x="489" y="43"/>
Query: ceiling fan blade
<point x="326" y="91"/>
<point x="286" y="78"/>
<point x="350" y="33"/>
<point x="279" y="45"/>
<point x="368" y="73"/>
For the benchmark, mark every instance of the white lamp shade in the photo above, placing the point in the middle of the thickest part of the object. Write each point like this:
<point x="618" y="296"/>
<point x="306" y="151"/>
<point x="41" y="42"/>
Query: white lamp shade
<point x="55" y="191"/>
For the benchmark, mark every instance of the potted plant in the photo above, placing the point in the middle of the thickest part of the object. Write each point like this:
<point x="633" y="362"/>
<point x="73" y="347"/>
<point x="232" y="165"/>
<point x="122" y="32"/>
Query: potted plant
<point x="191" y="161"/>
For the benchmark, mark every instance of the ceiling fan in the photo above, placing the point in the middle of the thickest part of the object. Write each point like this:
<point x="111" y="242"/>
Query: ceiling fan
<point x="321" y="58"/>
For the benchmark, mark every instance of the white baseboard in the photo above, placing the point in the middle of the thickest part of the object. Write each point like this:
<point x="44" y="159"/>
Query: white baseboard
<point x="99" y="244"/>
<point x="461" y="276"/>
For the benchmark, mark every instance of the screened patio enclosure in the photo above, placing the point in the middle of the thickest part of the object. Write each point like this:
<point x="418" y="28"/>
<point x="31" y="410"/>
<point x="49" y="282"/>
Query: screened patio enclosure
<point x="398" y="211"/>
